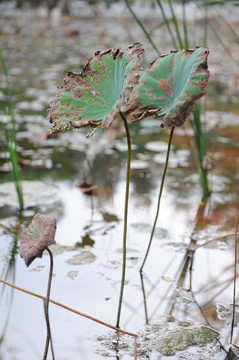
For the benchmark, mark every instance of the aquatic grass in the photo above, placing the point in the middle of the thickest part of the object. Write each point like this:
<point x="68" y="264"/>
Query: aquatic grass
<point x="139" y="22"/>
<point x="176" y="26"/>
<point x="11" y="145"/>
<point x="11" y="140"/>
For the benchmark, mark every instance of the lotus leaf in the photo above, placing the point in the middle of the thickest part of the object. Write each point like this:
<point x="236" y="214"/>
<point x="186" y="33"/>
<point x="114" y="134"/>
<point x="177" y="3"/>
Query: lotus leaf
<point x="95" y="96"/>
<point x="170" y="88"/>
<point x="37" y="237"/>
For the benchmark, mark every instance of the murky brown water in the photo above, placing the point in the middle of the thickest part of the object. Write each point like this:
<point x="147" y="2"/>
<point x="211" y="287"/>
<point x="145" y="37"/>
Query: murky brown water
<point x="38" y="50"/>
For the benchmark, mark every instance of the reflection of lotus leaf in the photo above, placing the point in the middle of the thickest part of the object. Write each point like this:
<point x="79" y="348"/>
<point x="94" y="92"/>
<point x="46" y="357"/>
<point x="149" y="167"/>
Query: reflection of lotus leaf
<point x="85" y="257"/>
<point x="72" y="275"/>
<point x="37" y="237"/>
<point x="160" y="233"/>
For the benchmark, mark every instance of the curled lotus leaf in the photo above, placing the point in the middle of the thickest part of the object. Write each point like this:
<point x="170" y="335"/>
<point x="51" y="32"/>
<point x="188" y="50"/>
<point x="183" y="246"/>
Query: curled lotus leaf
<point x="37" y="237"/>
<point x="95" y="96"/>
<point x="170" y="87"/>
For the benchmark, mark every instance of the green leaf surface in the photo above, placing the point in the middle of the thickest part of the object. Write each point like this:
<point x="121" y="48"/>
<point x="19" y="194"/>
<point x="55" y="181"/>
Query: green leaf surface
<point x="95" y="96"/>
<point x="170" y="88"/>
<point x="37" y="237"/>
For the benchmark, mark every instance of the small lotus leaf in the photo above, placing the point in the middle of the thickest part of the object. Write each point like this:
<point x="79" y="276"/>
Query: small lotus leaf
<point x="170" y="88"/>
<point x="95" y="96"/>
<point x="37" y="237"/>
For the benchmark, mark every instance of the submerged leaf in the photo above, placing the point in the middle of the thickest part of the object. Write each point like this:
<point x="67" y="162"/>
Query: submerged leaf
<point x="95" y="96"/>
<point x="37" y="237"/>
<point x="170" y="88"/>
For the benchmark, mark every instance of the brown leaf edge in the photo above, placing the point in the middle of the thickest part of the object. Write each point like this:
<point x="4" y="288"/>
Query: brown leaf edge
<point x="31" y="248"/>
<point x="134" y="51"/>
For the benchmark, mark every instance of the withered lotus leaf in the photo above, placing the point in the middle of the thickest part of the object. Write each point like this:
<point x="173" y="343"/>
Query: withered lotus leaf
<point x="170" y="87"/>
<point x="37" y="237"/>
<point x="95" y="96"/>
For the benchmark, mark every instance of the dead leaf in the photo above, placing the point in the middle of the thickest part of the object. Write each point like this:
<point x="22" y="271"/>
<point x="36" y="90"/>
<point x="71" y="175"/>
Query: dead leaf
<point x="37" y="237"/>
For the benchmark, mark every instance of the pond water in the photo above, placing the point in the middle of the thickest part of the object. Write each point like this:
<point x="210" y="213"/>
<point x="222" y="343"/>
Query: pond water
<point x="38" y="49"/>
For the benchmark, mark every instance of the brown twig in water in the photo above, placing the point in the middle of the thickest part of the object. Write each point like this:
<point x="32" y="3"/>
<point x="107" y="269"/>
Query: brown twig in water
<point x="76" y="312"/>
<point x="217" y="238"/>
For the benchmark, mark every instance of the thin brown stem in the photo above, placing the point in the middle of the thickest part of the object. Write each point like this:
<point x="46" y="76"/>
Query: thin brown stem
<point x="68" y="308"/>
<point x="217" y="238"/>
<point x="46" y="310"/>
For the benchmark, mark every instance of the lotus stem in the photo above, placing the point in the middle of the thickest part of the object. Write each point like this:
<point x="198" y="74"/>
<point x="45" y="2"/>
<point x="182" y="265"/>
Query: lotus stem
<point x="46" y="309"/>
<point x="125" y="216"/>
<point x="159" y="198"/>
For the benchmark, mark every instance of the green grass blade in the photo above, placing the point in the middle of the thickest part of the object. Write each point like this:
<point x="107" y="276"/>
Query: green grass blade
<point x="220" y="40"/>
<point x="180" y="42"/>
<point x="205" y="25"/>
<point x="11" y="141"/>
<point x="12" y="151"/>
<point x="233" y="33"/>
<point x="146" y="33"/>
<point x="185" y="31"/>
<point x="167" y="23"/>
<point x="160" y="25"/>
<point x="5" y="71"/>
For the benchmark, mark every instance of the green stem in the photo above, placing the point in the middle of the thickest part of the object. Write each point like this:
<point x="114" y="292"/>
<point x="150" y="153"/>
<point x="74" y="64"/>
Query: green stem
<point x="142" y="26"/>
<point x="186" y="43"/>
<point x="166" y="21"/>
<point x="46" y="309"/>
<point x="205" y="25"/>
<point x="175" y="25"/>
<point x="125" y="216"/>
<point x="159" y="198"/>
<point x="144" y="297"/>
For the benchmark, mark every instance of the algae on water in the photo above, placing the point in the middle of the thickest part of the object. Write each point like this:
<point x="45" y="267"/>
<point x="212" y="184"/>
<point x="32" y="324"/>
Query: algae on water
<point x="183" y="338"/>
